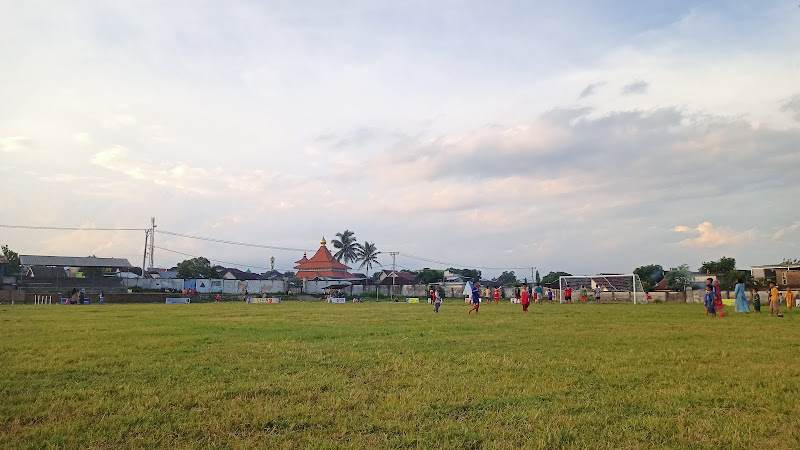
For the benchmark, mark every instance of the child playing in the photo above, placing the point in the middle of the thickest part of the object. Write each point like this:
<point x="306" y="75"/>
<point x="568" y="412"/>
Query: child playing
<point x="789" y="297"/>
<point x="718" y="298"/>
<point x="496" y="296"/>
<point x="476" y="299"/>
<point x="756" y="301"/>
<point x="774" y="299"/>
<point x="568" y="295"/>
<point x="539" y="293"/>
<point x="583" y="294"/>
<point x="709" y="301"/>
<point x="550" y="295"/>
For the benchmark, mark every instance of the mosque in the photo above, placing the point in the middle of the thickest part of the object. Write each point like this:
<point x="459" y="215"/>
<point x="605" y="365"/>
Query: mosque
<point x="322" y="265"/>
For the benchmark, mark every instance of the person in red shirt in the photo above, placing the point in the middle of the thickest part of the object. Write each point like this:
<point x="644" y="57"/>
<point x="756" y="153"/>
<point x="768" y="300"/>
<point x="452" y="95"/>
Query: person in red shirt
<point x="496" y="295"/>
<point x="524" y="299"/>
<point x="568" y="295"/>
<point x="217" y="298"/>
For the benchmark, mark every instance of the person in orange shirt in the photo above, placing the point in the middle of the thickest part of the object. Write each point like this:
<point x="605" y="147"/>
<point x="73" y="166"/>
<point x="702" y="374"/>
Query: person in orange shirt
<point x="774" y="299"/>
<point x="789" y="296"/>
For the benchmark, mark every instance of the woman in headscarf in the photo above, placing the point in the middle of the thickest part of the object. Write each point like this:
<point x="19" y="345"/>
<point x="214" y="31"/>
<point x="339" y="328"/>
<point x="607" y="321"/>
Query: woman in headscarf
<point x="718" y="297"/>
<point x="741" y="298"/>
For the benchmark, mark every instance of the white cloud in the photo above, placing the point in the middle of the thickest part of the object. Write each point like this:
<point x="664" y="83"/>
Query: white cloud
<point x="681" y="229"/>
<point x="82" y="138"/>
<point x="716" y="237"/>
<point x="786" y="231"/>
<point x="13" y="144"/>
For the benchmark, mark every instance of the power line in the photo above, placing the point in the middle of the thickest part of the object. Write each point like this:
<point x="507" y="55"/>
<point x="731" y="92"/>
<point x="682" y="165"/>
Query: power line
<point x="218" y="260"/>
<point x="223" y="241"/>
<point x="459" y="265"/>
<point x="31" y="227"/>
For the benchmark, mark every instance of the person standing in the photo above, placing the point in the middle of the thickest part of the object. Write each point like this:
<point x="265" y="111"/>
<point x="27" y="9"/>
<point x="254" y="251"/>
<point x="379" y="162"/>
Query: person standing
<point x="524" y="299"/>
<point x="718" y="298"/>
<point x="789" y="297"/>
<point x="756" y="301"/>
<point x="549" y="295"/>
<point x="437" y="299"/>
<point x="584" y="294"/>
<point x="597" y="291"/>
<point x="217" y="299"/>
<point x="476" y="299"/>
<point x="568" y="295"/>
<point x="741" y="298"/>
<point x="496" y="295"/>
<point x="710" y="301"/>
<point x="538" y="293"/>
<point x="517" y="295"/>
<point x="774" y="299"/>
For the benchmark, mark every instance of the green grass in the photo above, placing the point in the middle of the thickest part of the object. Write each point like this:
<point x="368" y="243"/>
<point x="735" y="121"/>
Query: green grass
<point x="299" y="375"/>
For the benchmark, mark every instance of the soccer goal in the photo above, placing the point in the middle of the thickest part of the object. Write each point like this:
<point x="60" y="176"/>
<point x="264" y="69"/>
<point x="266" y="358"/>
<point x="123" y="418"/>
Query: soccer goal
<point x="615" y="288"/>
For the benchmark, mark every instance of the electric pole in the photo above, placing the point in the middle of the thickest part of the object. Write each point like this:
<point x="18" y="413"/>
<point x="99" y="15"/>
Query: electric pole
<point x="394" y="272"/>
<point x="152" y="239"/>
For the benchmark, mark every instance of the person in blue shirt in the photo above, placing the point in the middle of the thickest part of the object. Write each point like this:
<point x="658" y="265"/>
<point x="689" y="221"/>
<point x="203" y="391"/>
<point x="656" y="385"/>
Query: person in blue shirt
<point x="709" y="301"/>
<point x="539" y="293"/>
<point x="476" y="299"/>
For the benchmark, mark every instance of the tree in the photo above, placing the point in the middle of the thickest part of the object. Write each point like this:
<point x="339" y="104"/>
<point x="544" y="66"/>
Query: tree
<point x="368" y="255"/>
<point x="723" y="266"/>
<point x="196" y="268"/>
<point x="680" y="278"/>
<point x="650" y="275"/>
<point x="790" y="262"/>
<point x="553" y="276"/>
<point x="469" y="274"/>
<point x="427" y="276"/>
<point x="538" y="278"/>
<point x="13" y="267"/>
<point x="289" y="274"/>
<point x="347" y="245"/>
<point x="507" y="278"/>
<point x="89" y="272"/>
<point x="728" y="280"/>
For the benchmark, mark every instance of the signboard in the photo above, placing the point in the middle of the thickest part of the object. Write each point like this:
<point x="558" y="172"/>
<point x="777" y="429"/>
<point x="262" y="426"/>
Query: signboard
<point x="177" y="301"/>
<point x="337" y="300"/>
<point x="264" y="300"/>
<point x="412" y="300"/>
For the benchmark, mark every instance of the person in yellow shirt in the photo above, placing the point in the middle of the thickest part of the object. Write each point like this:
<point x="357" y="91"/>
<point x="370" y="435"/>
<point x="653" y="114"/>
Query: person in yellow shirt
<point x="789" y="296"/>
<point x="774" y="299"/>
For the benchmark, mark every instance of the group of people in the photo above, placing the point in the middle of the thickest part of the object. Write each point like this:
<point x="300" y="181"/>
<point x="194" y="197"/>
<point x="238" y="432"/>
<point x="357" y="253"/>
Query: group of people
<point x="584" y="294"/>
<point x="524" y="296"/>
<point x="714" y="305"/>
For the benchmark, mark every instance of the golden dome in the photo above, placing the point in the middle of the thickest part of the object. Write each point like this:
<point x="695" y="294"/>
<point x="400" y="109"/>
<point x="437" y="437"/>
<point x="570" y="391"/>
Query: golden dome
<point x="323" y="242"/>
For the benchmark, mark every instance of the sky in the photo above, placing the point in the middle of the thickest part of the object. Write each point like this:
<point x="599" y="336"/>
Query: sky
<point x="579" y="136"/>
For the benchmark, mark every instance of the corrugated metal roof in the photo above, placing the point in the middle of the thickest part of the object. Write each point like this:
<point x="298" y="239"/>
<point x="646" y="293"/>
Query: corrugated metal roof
<point x="72" y="261"/>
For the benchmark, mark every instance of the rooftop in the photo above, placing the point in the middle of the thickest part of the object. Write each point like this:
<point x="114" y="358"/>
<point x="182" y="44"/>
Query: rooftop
<point x="72" y="261"/>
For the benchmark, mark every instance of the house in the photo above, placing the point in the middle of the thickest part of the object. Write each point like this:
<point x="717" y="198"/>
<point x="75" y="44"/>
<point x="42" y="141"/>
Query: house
<point x="271" y="275"/>
<point x="46" y="272"/>
<point x="3" y="262"/>
<point x="395" y="278"/>
<point x="770" y="271"/>
<point x="786" y="278"/>
<point x="236" y="274"/>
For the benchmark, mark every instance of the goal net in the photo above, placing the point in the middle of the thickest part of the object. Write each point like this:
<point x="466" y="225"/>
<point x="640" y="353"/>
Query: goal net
<point x="613" y="288"/>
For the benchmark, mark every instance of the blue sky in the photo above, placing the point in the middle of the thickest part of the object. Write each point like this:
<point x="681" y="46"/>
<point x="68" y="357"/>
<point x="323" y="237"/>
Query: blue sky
<point x="579" y="136"/>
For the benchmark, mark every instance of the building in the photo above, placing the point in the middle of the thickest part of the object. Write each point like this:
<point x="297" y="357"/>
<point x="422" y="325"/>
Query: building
<point x="770" y="271"/>
<point x="786" y="278"/>
<point x="73" y="264"/>
<point x="3" y="262"/>
<point x="322" y="265"/>
<point x="395" y="278"/>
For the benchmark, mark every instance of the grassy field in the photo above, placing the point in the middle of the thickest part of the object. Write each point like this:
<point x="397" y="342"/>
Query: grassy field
<point x="378" y="375"/>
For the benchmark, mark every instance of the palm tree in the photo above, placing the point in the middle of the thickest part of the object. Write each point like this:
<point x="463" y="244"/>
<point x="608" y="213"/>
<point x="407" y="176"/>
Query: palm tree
<point x="368" y="255"/>
<point x="347" y="245"/>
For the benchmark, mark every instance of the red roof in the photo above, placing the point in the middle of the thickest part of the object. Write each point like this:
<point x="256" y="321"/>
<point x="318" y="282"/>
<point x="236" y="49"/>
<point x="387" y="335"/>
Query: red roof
<point x="322" y="264"/>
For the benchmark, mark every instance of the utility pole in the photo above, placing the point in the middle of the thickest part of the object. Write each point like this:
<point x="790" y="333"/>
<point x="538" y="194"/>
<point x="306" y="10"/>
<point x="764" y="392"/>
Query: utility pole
<point x="394" y="272"/>
<point x="144" y="256"/>
<point x="152" y="239"/>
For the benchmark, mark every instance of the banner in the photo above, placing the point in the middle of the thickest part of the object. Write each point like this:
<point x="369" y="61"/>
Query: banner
<point x="177" y="301"/>
<point x="264" y="300"/>
<point x="412" y="300"/>
<point x="336" y="300"/>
